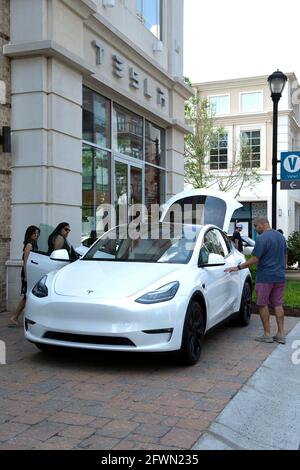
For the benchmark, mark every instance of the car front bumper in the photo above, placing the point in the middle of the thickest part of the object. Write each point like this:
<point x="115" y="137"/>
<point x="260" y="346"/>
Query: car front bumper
<point x="122" y="325"/>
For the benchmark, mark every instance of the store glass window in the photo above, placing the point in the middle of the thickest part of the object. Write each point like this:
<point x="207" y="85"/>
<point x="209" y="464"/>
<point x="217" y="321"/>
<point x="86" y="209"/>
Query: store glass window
<point x="96" y="118"/>
<point x="155" y="144"/>
<point x="96" y="180"/>
<point x="108" y="175"/>
<point x="127" y="133"/>
<point x="154" y="186"/>
<point x="150" y="14"/>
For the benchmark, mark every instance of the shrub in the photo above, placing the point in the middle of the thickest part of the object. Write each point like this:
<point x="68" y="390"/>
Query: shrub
<point x="293" y="245"/>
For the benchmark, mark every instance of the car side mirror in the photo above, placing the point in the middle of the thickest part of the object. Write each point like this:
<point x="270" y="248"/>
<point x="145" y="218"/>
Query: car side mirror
<point x="213" y="261"/>
<point x="60" y="255"/>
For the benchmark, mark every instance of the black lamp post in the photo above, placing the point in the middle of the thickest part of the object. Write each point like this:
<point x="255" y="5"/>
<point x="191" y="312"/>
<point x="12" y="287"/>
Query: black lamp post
<point x="277" y="83"/>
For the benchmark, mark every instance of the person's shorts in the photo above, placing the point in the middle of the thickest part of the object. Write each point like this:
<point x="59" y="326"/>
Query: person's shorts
<point x="24" y="289"/>
<point x="267" y="292"/>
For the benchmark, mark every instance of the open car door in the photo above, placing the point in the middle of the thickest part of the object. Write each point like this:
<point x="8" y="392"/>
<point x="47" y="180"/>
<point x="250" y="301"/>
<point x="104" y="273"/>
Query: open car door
<point x="38" y="265"/>
<point x="201" y="207"/>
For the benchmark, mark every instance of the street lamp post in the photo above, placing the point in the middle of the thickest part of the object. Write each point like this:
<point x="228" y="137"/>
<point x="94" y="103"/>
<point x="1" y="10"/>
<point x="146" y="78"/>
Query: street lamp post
<point x="277" y="82"/>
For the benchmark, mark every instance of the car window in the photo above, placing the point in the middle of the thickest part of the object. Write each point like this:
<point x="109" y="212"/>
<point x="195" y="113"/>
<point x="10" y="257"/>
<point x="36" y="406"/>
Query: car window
<point x="42" y="242"/>
<point x="197" y="210"/>
<point x="223" y="243"/>
<point x="228" y="242"/>
<point x="213" y="244"/>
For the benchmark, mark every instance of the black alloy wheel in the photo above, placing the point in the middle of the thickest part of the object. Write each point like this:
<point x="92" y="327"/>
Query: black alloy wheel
<point x="193" y="333"/>
<point x="244" y="315"/>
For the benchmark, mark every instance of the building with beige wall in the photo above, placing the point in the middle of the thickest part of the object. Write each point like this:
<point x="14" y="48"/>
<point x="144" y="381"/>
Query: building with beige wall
<point x="5" y="157"/>
<point x="244" y="108"/>
<point x="97" y="111"/>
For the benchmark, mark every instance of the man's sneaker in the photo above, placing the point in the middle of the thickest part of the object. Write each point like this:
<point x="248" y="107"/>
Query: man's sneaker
<point x="279" y="339"/>
<point x="265" y="339"/>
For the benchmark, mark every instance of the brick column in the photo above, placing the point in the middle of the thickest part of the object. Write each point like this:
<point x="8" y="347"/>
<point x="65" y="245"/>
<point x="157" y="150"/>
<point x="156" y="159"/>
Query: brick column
<point x="5" y="158"/>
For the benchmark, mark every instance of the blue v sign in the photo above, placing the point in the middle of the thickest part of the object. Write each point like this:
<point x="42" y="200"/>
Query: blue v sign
<point x="290" y="166"/>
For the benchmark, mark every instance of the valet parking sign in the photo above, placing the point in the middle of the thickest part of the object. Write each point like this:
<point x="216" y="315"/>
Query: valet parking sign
<point x="290" y="170"/>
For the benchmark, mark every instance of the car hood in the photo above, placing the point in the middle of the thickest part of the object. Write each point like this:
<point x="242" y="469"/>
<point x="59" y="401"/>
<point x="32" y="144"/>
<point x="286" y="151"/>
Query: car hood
<point x="110" y="280"/>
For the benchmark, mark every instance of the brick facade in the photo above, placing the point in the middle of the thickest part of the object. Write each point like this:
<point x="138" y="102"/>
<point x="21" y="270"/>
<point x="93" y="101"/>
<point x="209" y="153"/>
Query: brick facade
<point x="5" y="159"/>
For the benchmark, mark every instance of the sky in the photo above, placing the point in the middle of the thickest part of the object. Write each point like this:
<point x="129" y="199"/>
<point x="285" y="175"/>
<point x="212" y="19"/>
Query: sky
<point x="226" y="39"/>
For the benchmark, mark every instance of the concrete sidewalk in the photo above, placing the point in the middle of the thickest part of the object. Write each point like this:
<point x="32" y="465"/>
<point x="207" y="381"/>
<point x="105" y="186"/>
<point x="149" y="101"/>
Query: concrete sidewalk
<point x="292" y="275"/>
<point x="265" y="414"/>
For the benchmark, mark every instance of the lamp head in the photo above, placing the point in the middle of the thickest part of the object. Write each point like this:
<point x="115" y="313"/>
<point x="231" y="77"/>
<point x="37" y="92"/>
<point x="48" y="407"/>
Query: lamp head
<point x="277" y="82"/>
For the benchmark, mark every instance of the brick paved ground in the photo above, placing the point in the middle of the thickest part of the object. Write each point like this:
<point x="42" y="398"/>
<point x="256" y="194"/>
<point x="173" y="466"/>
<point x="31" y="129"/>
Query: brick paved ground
<point x="89" y="400"/>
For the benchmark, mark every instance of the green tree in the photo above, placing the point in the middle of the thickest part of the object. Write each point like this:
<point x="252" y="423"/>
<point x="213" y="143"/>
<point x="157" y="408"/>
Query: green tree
<point x="239" y="174"/>
<point x="206" y="134"/>
<point x="293" y="245"/>
<point x="199" y="143"/>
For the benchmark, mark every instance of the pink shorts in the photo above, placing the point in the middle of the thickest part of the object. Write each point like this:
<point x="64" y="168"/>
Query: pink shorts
<point x="266" y="293"/>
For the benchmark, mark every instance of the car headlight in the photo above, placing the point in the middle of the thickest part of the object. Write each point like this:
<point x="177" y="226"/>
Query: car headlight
<point x="163" y="294"/>
<point x="40" y="289"/>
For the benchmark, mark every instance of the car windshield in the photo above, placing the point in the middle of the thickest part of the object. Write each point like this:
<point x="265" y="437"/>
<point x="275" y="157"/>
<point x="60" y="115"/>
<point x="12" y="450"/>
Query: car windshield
<point x="162" y="243"/>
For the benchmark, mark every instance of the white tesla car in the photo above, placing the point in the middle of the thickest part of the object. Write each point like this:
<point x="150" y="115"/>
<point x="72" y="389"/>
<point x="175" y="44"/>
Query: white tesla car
<point x="158" y="290"/>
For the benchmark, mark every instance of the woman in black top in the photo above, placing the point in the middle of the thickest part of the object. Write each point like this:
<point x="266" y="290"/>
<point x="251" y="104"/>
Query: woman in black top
<point x="58" y="240"/>
<point x="30" y="244"/>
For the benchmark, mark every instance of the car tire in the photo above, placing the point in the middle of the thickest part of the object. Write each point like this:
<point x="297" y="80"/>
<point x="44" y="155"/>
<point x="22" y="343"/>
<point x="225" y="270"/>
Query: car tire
<point x="192" y="336"/>
<point x="244" y="315"/>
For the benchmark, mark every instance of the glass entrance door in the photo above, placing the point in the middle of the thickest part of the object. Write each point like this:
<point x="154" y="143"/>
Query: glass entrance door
<point x="136" y="192"/>
<point x="121" y="192"/>
<point x="128" y="191"/>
